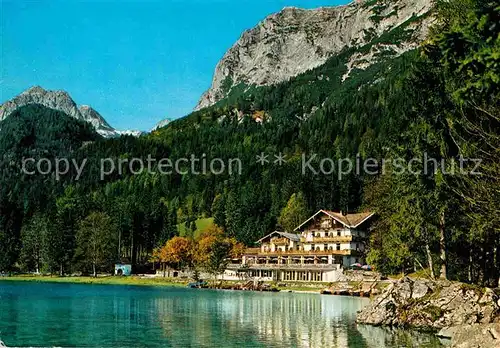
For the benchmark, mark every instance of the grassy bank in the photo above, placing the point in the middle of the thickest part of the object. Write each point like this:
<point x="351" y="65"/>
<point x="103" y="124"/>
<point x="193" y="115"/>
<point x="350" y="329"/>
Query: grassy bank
<point x="110" y="280"/>
<point x="136" y="280"/>
<point x="160" y="281"/>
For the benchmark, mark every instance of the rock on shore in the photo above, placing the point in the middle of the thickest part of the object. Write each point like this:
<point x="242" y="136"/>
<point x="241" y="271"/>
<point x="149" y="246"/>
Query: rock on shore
<point x="432" y="305"/>
<point x="476" y="336"/>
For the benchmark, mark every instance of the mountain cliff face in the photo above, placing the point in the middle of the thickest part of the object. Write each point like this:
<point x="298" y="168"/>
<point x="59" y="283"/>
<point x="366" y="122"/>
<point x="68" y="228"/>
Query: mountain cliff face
<point x="295" y="40"/>
<point x="61" y="101"/>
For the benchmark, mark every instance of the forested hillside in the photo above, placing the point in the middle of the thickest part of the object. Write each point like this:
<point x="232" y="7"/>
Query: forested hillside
<point x="32" y="131"/>
<point x="441" y="99"/>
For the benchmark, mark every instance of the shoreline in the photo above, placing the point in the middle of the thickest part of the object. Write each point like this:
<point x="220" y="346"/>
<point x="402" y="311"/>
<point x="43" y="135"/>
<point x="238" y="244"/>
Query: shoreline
<point x="102" y="280"/>
<point x="135" y="280"/>
<point x="145" y="280"/>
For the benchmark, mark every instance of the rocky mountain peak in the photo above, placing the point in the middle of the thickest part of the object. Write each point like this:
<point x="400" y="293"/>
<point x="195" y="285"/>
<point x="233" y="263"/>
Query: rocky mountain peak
<point x="58" y="100"/>
<point x="294" y="40"/>
<point x="61" y="101"/>
<point x="35" y="90"/>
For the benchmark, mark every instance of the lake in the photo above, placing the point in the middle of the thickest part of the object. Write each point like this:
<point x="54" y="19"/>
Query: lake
<point x="53" y="314"/>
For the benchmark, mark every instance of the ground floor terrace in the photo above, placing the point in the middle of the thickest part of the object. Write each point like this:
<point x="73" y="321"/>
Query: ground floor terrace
<point x="318" y="273"/>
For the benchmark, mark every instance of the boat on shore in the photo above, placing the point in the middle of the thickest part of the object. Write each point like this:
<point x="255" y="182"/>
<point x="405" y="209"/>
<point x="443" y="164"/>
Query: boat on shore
<point x="200" y="284"/>
<point x="345" y="292"/>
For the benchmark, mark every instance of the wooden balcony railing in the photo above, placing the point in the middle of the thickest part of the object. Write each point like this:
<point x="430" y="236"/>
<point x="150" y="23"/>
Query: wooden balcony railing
<point x="301" y="252"/>
<point x="252" y="251"/>
<point x="332" y="239"/>
<point x="284" y="266"/>
<point x="280" y="241"/>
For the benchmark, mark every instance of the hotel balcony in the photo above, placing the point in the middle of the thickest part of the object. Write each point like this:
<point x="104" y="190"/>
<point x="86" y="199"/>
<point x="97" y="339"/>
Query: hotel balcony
<point x="284" y="266"/>
<point x="280" y="241"/>
<point x="252" y="251"/>
<point x="332" y="239"/>
<point x="258" y="252"/>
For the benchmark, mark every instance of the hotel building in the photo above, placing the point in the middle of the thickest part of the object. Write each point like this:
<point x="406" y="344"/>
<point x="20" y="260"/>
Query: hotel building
<point x="318" y="250"/>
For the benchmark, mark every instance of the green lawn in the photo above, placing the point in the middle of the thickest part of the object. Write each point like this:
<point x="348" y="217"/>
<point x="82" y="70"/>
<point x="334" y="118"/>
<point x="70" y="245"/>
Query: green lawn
<point x="201" y="225"/>
<point x="133" y="280"/>
<point x="315" y="289"/>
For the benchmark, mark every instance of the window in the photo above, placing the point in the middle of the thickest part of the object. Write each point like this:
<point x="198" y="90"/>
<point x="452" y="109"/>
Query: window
<point x="338" y="233"/>
<point x="318" y="235"/>
<point x="325" y="247"/>
<point x="338" y="246"/>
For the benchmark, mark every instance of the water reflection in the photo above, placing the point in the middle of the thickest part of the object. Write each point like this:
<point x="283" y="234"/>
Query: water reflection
<point x="105" y="316"/>
<point x="277" y="320"/>
<point x="387" y="337"/>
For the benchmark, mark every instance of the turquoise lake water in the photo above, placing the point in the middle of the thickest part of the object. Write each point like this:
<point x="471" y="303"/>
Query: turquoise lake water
<point x="62" y="315"/>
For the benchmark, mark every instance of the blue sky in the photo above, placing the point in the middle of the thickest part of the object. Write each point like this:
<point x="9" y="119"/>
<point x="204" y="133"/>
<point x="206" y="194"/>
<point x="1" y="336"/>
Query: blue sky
<point x="136" y="62"/>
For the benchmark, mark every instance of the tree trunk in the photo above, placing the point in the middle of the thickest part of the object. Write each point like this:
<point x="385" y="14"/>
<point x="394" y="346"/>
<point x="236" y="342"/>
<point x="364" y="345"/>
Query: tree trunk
<point x="95" y="272"/>
<point x="491" y="265"/>
<point x="442" y="247"/>
<point x="469" y="275"/>
<point x="481" y="278"/>
<point x="496" y="270"/>
<point x="119" y="244"/>
<point x="429" y="260"/>
<point x="133" y="248"/>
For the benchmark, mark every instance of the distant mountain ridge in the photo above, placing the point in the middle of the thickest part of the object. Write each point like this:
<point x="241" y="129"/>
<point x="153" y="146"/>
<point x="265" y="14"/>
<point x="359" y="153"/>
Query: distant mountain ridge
<point x="162" y="123"/>
<point x="62" y="101"/>
<point x="295" y="40"/>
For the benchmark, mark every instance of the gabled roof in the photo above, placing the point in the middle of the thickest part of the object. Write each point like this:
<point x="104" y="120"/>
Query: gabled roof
<point x="348" y="220"/>
<point x="292" y="236"/>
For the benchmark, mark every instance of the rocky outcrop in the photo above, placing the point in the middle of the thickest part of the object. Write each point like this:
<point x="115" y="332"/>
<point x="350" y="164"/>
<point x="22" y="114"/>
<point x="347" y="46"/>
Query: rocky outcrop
<point x="431" y="305"/>
<point x="476" y="336"/>
<point x="61" y="101"/>
<point x="295" y="40"/>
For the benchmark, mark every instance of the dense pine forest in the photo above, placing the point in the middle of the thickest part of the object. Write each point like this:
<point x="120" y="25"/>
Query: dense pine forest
<point x="441" y="100"/>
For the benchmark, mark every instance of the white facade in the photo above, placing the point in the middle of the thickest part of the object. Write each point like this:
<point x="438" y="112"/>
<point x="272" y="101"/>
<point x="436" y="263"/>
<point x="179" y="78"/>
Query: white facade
<point x="321" y="246"/>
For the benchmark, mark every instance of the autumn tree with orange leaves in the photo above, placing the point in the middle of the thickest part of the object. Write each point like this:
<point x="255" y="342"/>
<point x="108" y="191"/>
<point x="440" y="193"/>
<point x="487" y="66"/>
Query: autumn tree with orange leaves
<point x="177" y="253"/>
<point x="214" y="250"/>
<point x="211" y="252"/>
